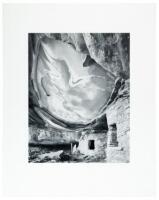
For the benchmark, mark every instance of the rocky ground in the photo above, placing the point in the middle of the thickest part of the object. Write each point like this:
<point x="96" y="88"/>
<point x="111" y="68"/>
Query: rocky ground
<point x="44" y="155"/>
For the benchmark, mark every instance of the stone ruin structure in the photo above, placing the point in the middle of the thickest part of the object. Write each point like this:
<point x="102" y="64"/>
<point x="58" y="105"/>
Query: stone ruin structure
<point x="118" y="118"/>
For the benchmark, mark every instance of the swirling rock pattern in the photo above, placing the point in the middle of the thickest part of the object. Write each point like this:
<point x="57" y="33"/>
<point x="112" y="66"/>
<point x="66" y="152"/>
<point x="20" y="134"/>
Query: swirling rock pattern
<point x="72" y="76"/>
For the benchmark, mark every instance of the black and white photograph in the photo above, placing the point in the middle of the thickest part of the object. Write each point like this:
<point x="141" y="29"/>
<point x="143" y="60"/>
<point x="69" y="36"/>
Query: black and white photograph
<point x="79" y="105"/>
<point x="79" y="97"/>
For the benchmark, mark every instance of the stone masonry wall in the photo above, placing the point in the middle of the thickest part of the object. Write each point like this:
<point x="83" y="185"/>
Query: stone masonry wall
<point x="100" y="141"/>
<point x="118" y="112"/>
<point x="39" y="134"/>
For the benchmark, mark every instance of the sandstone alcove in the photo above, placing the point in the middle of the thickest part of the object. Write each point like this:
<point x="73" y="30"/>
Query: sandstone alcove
<point x="79" y="84"/>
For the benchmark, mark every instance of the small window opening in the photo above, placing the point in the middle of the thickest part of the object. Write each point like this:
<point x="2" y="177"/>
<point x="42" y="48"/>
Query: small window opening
<point x="91" y="145"/>
<point x="113" y="126"/>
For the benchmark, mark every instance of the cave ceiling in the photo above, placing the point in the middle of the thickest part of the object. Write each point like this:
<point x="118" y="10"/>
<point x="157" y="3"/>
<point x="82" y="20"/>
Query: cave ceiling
<point x="72" y="76"/>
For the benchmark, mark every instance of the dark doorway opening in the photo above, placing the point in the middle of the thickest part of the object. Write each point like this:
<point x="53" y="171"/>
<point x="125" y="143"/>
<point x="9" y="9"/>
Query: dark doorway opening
<point x="113" y="126"/>
<point x="91" y="145"/>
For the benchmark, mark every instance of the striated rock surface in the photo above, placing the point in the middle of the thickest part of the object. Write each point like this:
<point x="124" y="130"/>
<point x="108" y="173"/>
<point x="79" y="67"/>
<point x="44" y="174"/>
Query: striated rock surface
<point x="109" y="50"/>
<point x="72" y="76"/>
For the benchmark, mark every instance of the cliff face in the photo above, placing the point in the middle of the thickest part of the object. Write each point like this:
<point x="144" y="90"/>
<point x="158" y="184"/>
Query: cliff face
<point x="78" y="100"/>
<point x="109" y="50"/>
<point x="118" y="112"/>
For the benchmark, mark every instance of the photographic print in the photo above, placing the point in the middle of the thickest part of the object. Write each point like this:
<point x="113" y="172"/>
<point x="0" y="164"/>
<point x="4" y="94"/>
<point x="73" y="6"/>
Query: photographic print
<point x="79" y="97"/>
